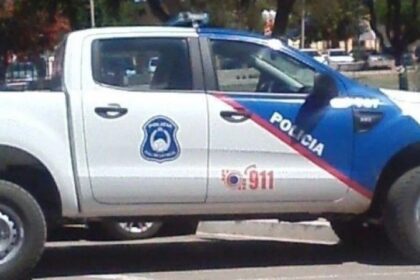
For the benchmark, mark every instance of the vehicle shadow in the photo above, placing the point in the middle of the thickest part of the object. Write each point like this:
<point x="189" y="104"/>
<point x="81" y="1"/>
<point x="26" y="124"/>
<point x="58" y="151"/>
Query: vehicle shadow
<point x="76" y="259"/>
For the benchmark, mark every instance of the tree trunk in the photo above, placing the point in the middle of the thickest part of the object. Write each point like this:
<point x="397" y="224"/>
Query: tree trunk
<point x="402" y="69"/>
<point x="373" y="22"/>
<point x="417" y="75"/>
<point x="174" y="7"/>
<point x="3" y="67"/>
<point x="395" y="34"/>
<point x="284" y="9"/>
<point x="158" y="11"/>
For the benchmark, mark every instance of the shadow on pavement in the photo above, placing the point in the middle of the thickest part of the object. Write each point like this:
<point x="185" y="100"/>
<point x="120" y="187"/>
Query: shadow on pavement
<point x="73" y="233"/>
<point x="183" y="255"/>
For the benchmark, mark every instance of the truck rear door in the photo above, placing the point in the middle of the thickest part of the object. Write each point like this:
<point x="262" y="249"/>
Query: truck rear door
<point x="145" y="119"/>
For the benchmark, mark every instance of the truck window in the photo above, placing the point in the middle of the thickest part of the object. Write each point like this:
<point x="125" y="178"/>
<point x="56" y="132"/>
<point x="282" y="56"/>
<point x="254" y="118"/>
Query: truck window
<point x="142" y="64"/>
<point x="247" y="67"/>
<point x="21" y="72"/>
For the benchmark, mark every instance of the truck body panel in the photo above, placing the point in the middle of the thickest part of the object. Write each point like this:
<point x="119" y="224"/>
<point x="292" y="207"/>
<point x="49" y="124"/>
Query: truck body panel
<point x="148" y="151"/>
<point x="39" y="127"/>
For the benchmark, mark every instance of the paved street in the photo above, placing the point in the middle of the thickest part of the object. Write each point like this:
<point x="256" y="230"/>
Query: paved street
<point x="220" y="257"/>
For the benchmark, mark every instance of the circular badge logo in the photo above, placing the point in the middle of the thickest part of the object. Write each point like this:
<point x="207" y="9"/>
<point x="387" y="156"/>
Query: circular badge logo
<point x="234" y="179"/>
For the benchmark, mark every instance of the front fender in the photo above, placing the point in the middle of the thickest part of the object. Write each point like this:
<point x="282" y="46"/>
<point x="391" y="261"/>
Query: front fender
<point x="373" y="150"/>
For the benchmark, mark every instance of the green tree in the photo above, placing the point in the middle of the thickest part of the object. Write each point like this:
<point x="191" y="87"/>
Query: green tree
<point x="159" y="11"/>
<point x="119" y="13"/>
<point x="401" y="20"/>
<point x="284" y="10"/>
<point x="239" y="14"/>
<point x="27" y="28"/>
<point x="340" y="21"/>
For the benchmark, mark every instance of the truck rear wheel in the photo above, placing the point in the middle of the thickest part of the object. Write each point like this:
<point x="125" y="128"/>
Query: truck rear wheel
<point x="22" y="231"/>
<point x="130" y="230"/>
<point x="402" y="214"/>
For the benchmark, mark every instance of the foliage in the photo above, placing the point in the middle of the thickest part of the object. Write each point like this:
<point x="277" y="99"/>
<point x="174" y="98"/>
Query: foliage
<point x="401" y="21"/>
<point x="6" y="8"/>
<point x="28" y="27"/>
<point x="123" y="13"/>
<point x="42" y="22"/>
<point x="331" y="20"/>
<point x="284" y="10"/>
<point x="239" y="14"/>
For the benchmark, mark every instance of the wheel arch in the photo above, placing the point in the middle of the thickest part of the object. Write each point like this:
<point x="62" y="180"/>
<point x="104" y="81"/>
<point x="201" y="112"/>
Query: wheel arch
<point x="403" y="161"/>
<point x="31" y="173"/>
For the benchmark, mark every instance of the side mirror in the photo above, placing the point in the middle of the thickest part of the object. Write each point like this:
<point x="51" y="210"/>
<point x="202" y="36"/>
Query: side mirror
<point x="325" y="88"/>
<point x="312" y="111"/>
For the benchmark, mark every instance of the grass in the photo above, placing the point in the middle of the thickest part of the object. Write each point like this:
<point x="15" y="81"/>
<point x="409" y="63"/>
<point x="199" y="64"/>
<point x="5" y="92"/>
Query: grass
<point x="386" y="79"/>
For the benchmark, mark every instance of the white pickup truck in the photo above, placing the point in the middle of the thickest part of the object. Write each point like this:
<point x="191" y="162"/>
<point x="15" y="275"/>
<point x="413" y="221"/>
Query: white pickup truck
<point x="228" y="125"/>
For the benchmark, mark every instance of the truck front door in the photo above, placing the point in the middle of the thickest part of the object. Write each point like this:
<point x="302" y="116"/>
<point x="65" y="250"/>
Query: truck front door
<point x="145" y="121"/>
<point x="275" y="142"/>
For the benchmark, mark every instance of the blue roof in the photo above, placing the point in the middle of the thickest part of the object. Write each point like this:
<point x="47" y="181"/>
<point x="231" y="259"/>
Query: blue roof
<point x="229" y="32"/>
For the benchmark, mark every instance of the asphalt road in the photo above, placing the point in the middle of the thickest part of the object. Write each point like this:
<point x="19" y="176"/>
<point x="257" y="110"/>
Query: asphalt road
<point x="220" y="257"/>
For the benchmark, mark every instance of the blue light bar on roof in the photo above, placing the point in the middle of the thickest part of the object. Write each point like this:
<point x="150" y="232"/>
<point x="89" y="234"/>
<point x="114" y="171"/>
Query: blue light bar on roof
<point x="188" y="19"/>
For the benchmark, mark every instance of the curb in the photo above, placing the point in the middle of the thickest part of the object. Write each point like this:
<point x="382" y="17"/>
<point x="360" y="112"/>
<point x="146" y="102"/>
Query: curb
<point x="360" y="74"/>
<point x="307" y="232"/>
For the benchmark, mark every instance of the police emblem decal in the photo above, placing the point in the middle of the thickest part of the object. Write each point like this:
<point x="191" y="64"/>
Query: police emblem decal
<point x="160" y="143"/>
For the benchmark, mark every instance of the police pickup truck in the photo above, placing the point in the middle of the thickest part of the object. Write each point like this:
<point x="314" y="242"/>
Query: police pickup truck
<point x="227" y="125"/>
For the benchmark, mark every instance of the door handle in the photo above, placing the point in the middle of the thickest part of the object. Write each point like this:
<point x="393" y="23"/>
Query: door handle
<point x="235" y="116"/>
<point x="112" y="111"/>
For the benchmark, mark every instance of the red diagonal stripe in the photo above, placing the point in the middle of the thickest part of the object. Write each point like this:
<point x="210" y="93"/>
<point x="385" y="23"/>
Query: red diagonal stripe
<point x="299" y="148"/>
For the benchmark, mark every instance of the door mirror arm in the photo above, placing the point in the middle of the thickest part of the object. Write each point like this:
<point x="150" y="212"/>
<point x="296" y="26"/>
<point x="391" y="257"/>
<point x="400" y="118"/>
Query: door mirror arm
<point x="324" y="90"/>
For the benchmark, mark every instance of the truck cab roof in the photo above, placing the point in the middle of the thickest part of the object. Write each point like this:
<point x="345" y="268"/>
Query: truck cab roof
<point x="185" y="31"/>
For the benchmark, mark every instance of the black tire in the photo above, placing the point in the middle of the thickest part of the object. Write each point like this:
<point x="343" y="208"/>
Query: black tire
<point x="402" y="214"/>
<point x="355" y="233"/>
<point x="23" y="220"/>
<point x="112" y="230"/>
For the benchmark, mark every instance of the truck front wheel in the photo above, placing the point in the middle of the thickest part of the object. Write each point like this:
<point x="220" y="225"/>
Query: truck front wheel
<point x="22" y="231"/>
<point x="402" y="214"/>
<point x="357" y="233"/>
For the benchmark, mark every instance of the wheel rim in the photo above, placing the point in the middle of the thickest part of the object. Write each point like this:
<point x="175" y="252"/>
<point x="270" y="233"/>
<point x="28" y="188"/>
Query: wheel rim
<point x="11" y="234"/>
<point x="136" y="227"/>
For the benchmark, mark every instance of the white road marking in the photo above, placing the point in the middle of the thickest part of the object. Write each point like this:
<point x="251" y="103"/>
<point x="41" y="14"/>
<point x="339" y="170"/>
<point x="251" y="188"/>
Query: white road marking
<point x="117" y="277"/>
<point x="375" y="275"/>
<point x="265" y="221"/>
<point x="342" y="276"/>
<point x="253" y="237"/>
<point x="320" y="222"/>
